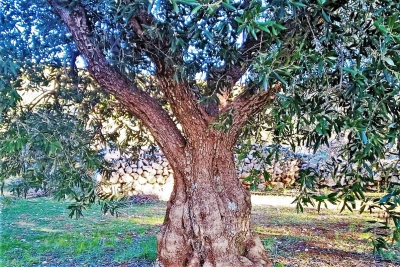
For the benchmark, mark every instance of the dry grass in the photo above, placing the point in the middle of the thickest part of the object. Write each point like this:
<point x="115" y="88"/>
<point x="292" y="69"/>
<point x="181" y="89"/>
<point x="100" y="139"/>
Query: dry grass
<point x="329" y="238"/>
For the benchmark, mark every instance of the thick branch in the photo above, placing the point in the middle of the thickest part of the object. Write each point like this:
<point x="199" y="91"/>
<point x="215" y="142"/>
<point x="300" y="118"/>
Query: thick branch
<point x="248" y="53"/>
<point x="246" y="105"/>
<point x="178" y="94"/>
<point x="189" y="113"/>
<point x="234" y="72"/>
<point x="137" y="102"/>
<point x="153" y="47"/>
<point x="223" y="80"/>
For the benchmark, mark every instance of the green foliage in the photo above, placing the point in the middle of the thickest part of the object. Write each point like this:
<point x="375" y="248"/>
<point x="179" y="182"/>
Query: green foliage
<point x="382" y="230"/>
<point x="337" y="64"/>
<point x="36" y="149"/>
<point x="53" y="116"/>
<point x="347" y="86"/>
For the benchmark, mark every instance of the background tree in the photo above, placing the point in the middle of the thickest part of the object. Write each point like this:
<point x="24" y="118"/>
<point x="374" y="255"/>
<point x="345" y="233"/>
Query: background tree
<point x="314" y="68"/>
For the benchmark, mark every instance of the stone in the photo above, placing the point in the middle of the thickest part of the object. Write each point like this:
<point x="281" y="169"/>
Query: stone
<point x="160" y="179"/>
<point x="146" y="174"/>
<point x="114" y="179"/>
<point x="151" y="179"/>
<point x="156" y="166"/>
<point x="138" y="188"/>
<point x="142" y="180"/>
<point x="146" y="168"/>
<point x="394" y="179"/>
<point x="127" y="178"/>
<point x="157" y="189"/>
<point x="116" y="154"/>
<point x="277" y="185"/>
<point x="287" y="181"/>
<point x="122" y="164"/>
<point x="140" y="164"/>
<point x="128" y="169"/>
<point x="139" y="170"/>
<point x="244" y="175"/>
<point x="117" y="164"/>
<point x="166" y="192"/>
<point x="148" y="189"/>
<point x="165" y="163"/>
<point x="133" y="166"/>
<point x="170" y="179"/>
<point x="261" y="187"/>
<point x="377" y="177"/>
<point x="108" y="157"/>
<point x="106" y="189"/>
<point x="152" y="171"/>
<point x="135" y="184"/>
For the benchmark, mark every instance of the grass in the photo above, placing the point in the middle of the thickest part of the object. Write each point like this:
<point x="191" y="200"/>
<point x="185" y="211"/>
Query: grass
<point x="38" y="232"/>
<point x="329" y="238"/>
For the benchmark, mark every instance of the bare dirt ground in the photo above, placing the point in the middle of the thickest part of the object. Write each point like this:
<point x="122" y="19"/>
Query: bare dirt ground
<point x="309" y="239"/>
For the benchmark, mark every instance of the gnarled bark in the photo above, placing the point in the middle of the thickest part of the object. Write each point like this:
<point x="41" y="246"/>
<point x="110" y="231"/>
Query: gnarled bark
<point x="208" y="216"/>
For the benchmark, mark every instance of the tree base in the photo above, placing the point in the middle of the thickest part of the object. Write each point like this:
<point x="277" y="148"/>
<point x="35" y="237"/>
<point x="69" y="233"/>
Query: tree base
<point x="255" y="256"/>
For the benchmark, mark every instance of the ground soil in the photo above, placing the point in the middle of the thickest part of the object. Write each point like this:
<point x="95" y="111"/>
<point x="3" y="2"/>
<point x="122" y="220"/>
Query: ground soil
<point x="328" y="239"/>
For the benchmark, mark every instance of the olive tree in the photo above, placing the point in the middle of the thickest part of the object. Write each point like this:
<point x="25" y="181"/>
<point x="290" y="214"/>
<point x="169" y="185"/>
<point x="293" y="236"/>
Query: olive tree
<point x="194" y="74"/>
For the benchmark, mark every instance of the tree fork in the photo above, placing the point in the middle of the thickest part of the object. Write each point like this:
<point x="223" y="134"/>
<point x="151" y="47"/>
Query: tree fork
<point x="208" y="216"/>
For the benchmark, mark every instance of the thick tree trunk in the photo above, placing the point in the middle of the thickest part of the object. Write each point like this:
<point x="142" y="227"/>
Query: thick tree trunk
<point x="208" y="216"/>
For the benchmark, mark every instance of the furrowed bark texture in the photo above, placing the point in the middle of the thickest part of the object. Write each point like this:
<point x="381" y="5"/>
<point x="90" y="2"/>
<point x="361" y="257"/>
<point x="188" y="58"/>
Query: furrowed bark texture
<point x="207" y="221"/>
<point x="208" y="215"/>
<point x="136" y="101"/>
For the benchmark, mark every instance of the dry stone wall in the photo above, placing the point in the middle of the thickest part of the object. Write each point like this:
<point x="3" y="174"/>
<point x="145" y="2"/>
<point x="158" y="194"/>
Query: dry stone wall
<point x="148" y="175"/>
<point x="281" y="173"/>
<point x="151" y="174"/>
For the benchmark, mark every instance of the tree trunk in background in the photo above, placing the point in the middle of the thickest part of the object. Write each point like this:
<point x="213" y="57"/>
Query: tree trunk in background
<point x="208" y="216"/>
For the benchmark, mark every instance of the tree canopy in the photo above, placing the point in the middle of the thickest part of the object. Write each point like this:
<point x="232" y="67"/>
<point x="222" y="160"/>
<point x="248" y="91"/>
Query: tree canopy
<point x="303" y="70"/>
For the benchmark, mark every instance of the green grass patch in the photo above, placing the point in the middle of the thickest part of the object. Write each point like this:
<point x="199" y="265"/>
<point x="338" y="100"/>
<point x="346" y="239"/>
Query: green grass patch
<point x="37" y="231"/>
